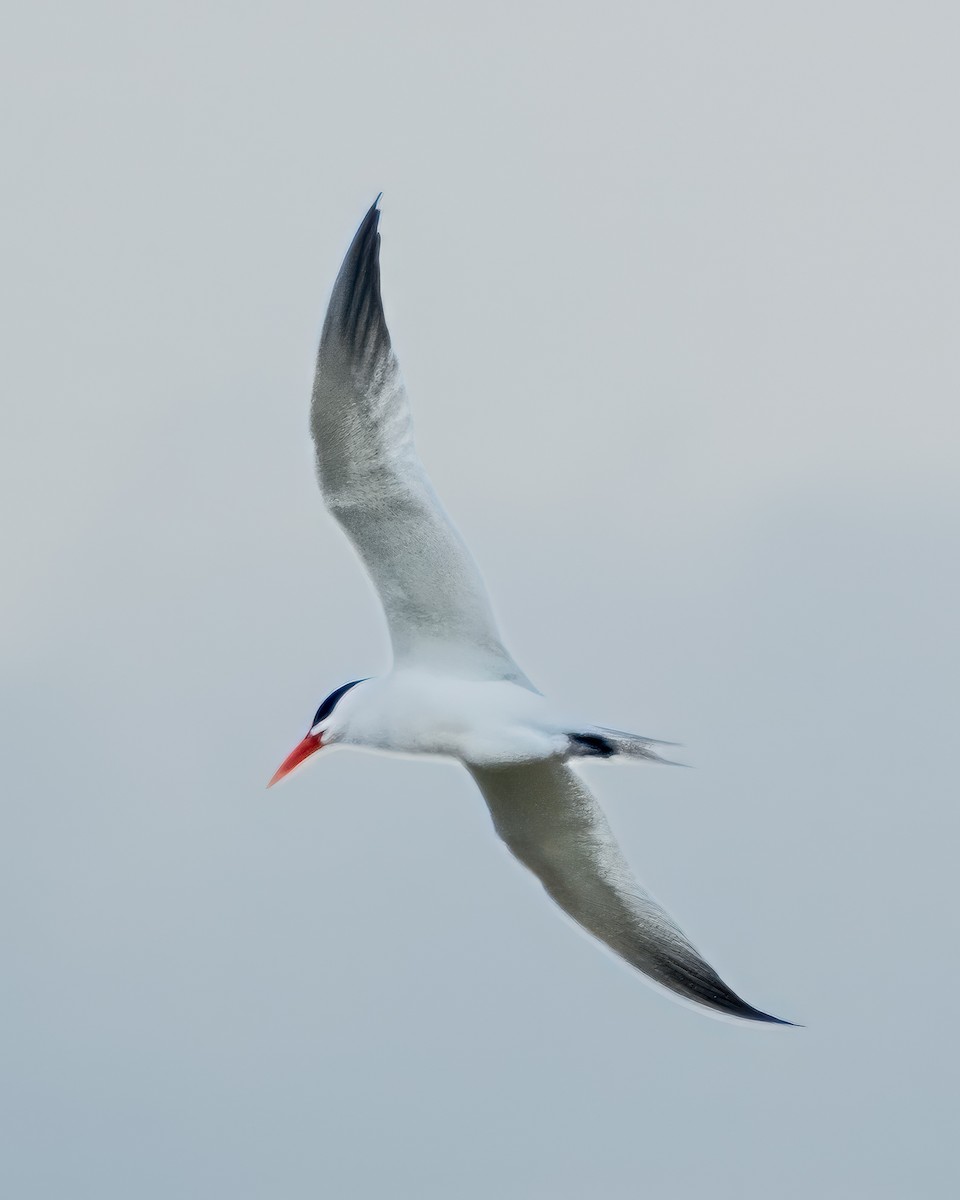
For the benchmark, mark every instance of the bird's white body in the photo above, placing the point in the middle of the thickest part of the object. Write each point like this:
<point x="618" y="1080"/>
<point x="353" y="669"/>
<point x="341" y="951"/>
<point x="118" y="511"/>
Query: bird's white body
<point x="454" y="689"/>
<point x="482" y="722"/>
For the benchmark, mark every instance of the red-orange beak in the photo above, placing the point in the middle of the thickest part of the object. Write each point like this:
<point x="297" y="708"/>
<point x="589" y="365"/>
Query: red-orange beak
<point x="311" y="743"/>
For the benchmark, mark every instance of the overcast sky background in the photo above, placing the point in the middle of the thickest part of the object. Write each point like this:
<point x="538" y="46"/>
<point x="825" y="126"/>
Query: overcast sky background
<point x="674" y="287"/>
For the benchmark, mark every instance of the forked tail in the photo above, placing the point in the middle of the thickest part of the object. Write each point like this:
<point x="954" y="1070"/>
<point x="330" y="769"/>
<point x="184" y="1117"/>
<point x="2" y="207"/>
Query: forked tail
<point x="600" y="742"/>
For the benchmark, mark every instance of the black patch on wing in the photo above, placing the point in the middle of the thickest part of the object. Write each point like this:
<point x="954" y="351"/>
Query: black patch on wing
<point x="593" y="746"/>
<point x="327" y="707"/>
<point x="355" y="316"/>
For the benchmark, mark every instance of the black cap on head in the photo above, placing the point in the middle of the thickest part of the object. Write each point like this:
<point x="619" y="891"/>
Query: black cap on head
<point x="327" y="707"/>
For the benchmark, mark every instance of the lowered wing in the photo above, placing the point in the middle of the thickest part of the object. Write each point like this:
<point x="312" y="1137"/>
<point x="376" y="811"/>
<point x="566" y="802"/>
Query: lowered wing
<point x="551" y="822"/>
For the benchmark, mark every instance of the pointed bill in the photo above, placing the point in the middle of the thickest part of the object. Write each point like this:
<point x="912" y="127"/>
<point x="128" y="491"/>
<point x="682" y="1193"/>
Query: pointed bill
<point x="310" y="744"/>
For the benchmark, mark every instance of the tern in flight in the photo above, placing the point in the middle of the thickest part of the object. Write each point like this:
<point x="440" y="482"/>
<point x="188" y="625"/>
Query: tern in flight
<point x="453" y="689"/>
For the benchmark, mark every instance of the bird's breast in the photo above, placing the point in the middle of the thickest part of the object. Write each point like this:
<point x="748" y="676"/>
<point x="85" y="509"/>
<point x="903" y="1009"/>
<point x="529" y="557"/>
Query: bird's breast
<point x="480" y="722"/>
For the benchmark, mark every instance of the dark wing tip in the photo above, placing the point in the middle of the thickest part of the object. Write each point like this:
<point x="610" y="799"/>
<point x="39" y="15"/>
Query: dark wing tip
<point x="698" y="981"/>
<point x="355" y="315"/>
<point x="756" y="1015"/>
<point x="730" y="1003"/>
<point x="727" y="1001"/>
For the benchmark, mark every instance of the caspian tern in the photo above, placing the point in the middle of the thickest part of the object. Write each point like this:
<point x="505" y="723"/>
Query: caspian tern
<point x="453" y="689"/>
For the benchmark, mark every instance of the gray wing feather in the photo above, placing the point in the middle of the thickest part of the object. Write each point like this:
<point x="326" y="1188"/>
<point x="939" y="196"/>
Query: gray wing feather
<point x="551" y="822"/>
<point x="374" y="484"/>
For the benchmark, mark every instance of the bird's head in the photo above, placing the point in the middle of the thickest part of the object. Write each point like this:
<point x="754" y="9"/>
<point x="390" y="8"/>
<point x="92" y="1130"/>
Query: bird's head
<point x="324" y="730"/>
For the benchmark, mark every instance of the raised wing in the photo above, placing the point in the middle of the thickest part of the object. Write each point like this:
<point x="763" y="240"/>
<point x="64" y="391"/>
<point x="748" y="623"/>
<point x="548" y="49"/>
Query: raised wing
<point x="375" y="485"/>
<point x="553" y="825"/>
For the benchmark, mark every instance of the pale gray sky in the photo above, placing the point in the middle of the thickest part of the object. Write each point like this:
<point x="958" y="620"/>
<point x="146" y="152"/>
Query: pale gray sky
<point x="674" y="287"/>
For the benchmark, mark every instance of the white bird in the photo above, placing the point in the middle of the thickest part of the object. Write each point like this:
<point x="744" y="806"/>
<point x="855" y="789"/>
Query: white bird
<point x="453" y="689"/>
